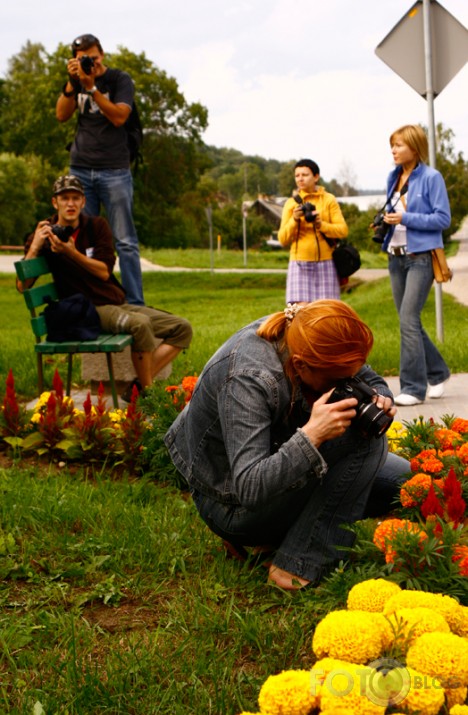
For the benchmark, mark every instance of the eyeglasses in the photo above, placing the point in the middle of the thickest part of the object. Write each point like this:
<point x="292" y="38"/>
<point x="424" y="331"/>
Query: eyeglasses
<point x="87" y="40"/>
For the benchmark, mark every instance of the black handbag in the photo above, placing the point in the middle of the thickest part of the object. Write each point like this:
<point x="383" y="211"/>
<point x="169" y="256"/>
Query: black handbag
<point x="346" y="259"/>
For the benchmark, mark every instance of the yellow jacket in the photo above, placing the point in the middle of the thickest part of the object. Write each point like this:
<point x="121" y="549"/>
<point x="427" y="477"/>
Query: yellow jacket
<point x="308" y="244"/>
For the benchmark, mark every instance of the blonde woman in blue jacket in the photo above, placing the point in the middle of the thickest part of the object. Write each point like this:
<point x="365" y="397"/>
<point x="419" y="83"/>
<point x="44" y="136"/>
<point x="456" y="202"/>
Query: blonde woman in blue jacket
<point x="307" y="219"/>
<point x="418" y="211"/>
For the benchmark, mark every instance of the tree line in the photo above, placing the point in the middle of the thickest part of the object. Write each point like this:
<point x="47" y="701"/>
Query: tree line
<point x="180" y="176"/>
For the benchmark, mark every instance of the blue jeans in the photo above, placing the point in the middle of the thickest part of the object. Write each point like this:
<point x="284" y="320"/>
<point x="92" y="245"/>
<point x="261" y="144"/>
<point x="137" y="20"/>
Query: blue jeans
<point x="421" y="363"/>
<point x="306" y="525"/>
<point x="113" y="188"/>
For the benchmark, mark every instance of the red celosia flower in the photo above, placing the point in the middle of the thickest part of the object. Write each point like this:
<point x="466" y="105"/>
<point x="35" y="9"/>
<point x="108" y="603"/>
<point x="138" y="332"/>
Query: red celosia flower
<point x="431" y="506"/>
<point x="11" y="411"/>
<point x="455" y="503"/>
<point x="57" y="384"/>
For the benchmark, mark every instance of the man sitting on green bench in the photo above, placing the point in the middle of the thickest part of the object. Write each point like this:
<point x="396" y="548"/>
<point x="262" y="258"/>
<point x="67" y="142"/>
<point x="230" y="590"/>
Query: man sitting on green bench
<point x="80" y="252"/>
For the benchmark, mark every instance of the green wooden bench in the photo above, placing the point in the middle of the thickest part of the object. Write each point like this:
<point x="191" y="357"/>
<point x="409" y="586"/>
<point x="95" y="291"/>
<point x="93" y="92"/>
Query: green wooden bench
<point x="35" y="298"/>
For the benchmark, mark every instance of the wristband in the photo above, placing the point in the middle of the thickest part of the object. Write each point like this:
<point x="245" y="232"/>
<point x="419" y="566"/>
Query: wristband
<point x="68" y="94"/>
<point x="92" y="90"/>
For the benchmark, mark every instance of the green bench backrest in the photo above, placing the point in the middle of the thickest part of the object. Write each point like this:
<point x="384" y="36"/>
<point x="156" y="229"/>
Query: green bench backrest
<point x="37" y="296"/>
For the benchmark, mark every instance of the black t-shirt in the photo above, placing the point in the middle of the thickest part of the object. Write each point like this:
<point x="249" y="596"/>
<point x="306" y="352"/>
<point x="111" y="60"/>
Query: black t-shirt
<point x="98" y="144"/>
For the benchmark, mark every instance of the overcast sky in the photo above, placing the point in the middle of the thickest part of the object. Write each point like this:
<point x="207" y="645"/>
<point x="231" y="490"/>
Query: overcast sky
<point x="283" y="79"/>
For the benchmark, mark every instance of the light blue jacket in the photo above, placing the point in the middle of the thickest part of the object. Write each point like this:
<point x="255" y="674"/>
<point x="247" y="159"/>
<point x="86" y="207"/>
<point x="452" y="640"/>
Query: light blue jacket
<point x="239" y="439"/>
<point x="427" y="209"/>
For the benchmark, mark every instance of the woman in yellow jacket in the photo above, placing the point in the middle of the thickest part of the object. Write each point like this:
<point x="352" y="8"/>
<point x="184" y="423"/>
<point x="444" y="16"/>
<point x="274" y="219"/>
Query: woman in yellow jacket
<point x="308" y="218"/>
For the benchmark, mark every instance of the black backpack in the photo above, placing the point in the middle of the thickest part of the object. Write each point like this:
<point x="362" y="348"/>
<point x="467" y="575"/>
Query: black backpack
<point x="70" y="319"/>
<point x="134" y="136"/>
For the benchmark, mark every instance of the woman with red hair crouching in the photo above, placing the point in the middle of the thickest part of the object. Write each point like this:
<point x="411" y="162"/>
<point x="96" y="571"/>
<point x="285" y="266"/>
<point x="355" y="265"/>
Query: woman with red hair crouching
<point x="269" y="459"/>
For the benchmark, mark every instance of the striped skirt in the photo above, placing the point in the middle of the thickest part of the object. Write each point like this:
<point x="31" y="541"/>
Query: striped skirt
<point x="311" y="280"/>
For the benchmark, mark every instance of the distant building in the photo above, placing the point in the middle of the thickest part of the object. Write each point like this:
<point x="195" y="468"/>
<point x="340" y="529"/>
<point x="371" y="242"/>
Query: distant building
<point x="270" y="208"/>
<point x="363" y="202"/>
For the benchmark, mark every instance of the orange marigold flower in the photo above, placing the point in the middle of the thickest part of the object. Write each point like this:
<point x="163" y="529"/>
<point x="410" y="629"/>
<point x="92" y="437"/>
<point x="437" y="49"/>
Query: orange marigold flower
<point x="384" y="532"/>
<point x="415" y="489"/>
<point x="460" y="425"/>
<point x="446" y="437"/>
<point x="189" y="382"/>
<point x="432" y="465"/>
<point x="462" y="453"/>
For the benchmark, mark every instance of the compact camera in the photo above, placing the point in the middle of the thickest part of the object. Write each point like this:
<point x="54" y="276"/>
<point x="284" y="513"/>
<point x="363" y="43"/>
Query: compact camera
<point x="307" y="209"/>
<point x="62" y="232"/>
<point x="380" y="228"/>
<point x="87" y="64"/>
<point x="371" y="420"/>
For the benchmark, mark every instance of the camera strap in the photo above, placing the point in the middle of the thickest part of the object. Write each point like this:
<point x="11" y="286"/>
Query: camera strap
<point x="298" y="200"/>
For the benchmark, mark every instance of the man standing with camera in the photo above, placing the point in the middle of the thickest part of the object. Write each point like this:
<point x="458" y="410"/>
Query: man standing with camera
<point x="99" y="154"/>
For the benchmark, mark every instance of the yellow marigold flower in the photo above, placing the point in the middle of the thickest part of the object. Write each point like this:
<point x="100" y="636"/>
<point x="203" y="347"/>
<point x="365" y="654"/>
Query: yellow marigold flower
<point x="344" y="691"/>
<point x="441" y="655"/>
<point x="371" y="595"/>
<point x="288" y="693"/>
<point x="455" y="696"/>
<point x="445" y="605"/>
<point x="410" y="623"/>
<point x="459" y="710"/>
<point x="414" y="491"/>
<point x="322" y="669"/>
<point x="425" y="696"/>
<point x="36" y="417"/>
<point x="459" y="621"/>
<point x="354" y="636"/>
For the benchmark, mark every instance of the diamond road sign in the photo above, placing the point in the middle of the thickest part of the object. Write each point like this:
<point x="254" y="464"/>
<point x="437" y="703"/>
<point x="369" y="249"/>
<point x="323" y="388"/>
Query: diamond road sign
<point x="403" y="48"/>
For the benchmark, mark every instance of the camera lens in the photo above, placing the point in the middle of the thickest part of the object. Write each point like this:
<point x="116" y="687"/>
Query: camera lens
<point x="372" y="421"/>
<point x="87" y="64"/>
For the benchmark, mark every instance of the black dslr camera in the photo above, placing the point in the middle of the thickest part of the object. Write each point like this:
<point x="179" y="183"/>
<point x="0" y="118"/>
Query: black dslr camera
<point x="380" y="228"/>
<point x="62" y="232"/>
<point x="308" y="209"/>
<point x="87" y="64"/>
<point x="371" y="420"/>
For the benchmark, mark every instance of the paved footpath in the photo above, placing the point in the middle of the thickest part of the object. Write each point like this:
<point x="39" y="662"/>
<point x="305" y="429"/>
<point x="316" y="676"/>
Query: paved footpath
<point x="455" y="400"/>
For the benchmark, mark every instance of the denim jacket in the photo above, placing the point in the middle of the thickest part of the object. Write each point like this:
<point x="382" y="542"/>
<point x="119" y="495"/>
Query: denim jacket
<point x="427" y="209"/>
<point x="239" y="439"/>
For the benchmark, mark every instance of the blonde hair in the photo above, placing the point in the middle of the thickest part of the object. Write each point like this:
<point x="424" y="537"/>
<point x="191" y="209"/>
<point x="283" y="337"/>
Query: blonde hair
<point x="415" y="137"/>
<point x="325" y="334"/>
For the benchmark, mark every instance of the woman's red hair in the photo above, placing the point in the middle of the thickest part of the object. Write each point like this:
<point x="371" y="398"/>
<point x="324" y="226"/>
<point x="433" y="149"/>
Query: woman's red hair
<point x="325" y="334"/>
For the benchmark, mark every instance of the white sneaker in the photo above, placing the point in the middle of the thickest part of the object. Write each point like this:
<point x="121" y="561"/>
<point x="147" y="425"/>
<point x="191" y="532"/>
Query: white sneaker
<point x="436" y="391"/>
<point x="407" y="400"/>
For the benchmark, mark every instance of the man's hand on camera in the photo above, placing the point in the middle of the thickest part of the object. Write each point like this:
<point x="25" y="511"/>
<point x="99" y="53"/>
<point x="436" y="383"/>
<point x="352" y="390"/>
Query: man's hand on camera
<point x="75" y="73"/>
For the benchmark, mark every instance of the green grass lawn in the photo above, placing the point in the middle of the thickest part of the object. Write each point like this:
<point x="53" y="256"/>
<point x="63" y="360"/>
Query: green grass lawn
<point x="114" y="597"/>
<point x="218" y="304"/>
<point x="203" y="258"/>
